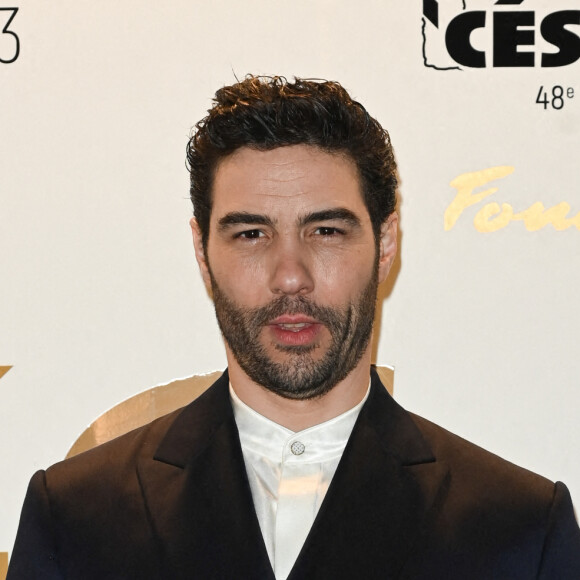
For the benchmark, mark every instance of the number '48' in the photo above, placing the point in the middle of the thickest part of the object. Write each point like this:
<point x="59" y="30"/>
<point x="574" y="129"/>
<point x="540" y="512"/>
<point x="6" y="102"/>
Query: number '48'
<point x="557" y="101"/>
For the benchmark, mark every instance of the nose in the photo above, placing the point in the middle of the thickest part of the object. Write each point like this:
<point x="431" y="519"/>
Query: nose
<point x="290" y="270"/>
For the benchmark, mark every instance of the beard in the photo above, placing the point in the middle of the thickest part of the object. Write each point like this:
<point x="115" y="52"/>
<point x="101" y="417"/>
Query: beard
<point x="301" y="375"/>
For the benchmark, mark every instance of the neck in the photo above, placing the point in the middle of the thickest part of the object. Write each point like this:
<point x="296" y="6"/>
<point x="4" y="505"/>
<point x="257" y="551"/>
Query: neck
<point x="297" y="415"/>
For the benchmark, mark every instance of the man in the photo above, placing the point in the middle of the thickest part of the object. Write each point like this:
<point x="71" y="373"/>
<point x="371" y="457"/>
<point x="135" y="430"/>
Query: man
<point x="296" y="463"/>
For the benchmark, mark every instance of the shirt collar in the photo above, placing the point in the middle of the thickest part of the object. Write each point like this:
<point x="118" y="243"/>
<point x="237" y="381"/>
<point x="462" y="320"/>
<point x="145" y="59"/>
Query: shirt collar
<point x="322" y="442"/>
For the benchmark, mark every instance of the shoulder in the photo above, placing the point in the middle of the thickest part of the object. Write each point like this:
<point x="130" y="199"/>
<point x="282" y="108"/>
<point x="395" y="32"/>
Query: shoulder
<point x="493" y="502"/>
<point x="117" y="459"/>
<point x="110" y="465"/>
<point x="476" y="474"/>
<point x="415" y="440"/>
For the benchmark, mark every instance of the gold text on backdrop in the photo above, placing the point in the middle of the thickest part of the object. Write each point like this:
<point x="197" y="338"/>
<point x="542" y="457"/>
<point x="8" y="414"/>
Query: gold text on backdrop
<point x="493" y="217"/>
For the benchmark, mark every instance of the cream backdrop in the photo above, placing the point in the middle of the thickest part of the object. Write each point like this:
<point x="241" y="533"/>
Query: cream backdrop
<point x="100" y="296"/>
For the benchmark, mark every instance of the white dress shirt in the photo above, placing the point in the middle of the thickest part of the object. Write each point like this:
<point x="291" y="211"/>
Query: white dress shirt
<point x="289" y="475"/>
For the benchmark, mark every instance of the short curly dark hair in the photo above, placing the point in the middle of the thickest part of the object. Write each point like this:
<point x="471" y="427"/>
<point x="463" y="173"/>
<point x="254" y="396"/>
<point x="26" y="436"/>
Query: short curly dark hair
<point x="269" y="112"/>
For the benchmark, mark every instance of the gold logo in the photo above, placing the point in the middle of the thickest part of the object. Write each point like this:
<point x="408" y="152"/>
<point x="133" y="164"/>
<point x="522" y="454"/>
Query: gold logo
<point x="493" y="217"/>
<point x="4" y="370"/>
<point x="3" y="565"/>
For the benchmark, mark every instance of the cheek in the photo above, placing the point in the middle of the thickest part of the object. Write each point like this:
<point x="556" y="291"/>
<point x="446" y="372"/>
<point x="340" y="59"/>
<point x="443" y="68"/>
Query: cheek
<point x="342" y="280"/>
<point x="242" y="280"/>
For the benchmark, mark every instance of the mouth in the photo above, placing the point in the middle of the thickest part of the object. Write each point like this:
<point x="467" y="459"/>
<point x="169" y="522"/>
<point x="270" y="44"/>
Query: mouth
<point x="294" y="327"/>
<point x="294" y="330"/>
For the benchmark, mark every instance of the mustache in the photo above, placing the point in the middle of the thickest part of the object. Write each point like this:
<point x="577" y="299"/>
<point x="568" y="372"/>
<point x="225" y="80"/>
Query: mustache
<point x="287" y="305"/>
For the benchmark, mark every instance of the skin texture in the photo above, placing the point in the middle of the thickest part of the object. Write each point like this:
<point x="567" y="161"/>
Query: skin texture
<point x="289" y="228"/>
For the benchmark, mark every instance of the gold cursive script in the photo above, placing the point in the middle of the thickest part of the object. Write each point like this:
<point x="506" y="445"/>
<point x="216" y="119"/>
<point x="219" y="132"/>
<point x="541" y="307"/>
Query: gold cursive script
<point x="493" y="217"/>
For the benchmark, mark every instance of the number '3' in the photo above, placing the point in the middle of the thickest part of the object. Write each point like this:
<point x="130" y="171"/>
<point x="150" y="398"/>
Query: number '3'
<point x="11" y="14"/>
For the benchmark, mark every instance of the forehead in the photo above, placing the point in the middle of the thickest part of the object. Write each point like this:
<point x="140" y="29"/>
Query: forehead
<point x="297" y="178"/>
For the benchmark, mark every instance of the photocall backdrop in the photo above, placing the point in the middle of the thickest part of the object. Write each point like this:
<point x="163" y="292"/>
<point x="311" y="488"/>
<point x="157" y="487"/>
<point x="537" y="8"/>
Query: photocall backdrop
<point x="100" y="296"/>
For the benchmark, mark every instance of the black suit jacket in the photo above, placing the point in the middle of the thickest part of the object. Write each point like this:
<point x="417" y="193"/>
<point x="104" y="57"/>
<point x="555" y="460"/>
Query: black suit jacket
<point x="171" y="500"/>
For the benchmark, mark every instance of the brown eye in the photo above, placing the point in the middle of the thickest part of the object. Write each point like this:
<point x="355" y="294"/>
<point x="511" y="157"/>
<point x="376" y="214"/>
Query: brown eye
<point x="250" y="234"/>
<point x="327" y="231"/>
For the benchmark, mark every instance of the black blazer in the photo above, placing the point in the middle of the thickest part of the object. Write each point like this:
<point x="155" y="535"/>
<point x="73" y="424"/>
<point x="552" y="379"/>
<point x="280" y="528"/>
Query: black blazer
<point x="171" y="500"/>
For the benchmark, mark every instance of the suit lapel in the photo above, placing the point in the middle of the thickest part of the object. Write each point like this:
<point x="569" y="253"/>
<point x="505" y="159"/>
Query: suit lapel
<point x="378" y="506"/>
<point x="198" y="496"/>
<point x="380" y="500"/>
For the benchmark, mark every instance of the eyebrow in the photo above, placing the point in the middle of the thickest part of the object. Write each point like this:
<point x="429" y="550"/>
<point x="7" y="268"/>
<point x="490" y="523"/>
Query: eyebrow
<point x="340" y="213"/>
<point x="242" y="217"/>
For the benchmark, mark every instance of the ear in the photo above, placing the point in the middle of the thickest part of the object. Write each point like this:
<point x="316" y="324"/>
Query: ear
<point x="388" y="245"/>
<point x="199" y="252"/>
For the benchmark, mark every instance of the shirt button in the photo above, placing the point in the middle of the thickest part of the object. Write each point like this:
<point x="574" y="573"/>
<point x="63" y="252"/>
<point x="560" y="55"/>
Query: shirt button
<point x="297" y="448"/>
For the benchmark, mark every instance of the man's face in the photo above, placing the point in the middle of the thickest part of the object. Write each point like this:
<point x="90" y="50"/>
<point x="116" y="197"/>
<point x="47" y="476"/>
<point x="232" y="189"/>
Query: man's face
<point x="293" y="264"/>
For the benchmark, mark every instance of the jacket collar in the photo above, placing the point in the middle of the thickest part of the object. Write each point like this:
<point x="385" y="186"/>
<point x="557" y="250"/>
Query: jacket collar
<point x="198" y="496"/>
<point x="379" y="503"/>
<point x="196" y="425"/>
<point x="374" y="513"/>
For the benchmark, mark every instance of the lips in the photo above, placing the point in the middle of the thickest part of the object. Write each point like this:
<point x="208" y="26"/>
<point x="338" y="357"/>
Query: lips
<point x="290" y="319"/>
<point x="294" y="330"/>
